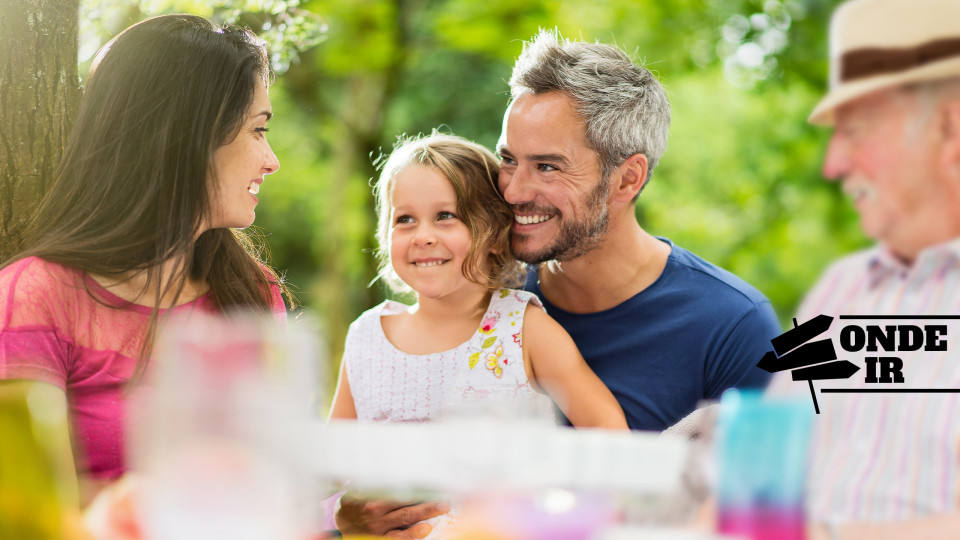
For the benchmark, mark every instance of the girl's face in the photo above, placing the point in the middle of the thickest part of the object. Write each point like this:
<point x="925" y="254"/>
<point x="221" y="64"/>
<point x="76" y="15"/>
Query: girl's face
<point x="240" y="166"/>
<point x="428" y="242"/>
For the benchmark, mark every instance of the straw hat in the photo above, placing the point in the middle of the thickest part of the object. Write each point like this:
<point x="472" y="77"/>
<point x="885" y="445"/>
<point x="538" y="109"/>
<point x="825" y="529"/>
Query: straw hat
<point x="876" y="44"/>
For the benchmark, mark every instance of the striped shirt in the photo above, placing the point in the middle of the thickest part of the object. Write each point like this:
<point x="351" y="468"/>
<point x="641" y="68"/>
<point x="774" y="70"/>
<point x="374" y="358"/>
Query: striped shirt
<point x="886" y="456"/>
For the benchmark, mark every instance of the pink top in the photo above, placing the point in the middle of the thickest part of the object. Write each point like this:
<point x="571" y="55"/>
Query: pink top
<point x="53" y="329"/>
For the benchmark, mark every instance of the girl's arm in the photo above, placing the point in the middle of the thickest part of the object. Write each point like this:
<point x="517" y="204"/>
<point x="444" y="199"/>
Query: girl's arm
<point x="343" y="406"/>
<point x="556" y="366"/>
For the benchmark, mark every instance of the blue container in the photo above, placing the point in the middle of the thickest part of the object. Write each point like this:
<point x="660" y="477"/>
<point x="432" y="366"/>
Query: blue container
<point x="762" y="451"/>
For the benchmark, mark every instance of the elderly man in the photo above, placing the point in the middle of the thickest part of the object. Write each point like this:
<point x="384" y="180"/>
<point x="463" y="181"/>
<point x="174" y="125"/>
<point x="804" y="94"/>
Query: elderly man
<point x="885" y="465"/>
<point x="661" y="327"/>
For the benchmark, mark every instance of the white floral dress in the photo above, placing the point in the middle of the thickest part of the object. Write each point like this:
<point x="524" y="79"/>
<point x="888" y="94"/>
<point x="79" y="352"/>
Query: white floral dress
<point x="485" y="374"/>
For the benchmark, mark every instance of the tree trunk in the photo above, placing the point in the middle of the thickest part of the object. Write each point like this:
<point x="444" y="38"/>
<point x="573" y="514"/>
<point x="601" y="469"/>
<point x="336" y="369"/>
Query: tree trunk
<point x="39" y="93"/>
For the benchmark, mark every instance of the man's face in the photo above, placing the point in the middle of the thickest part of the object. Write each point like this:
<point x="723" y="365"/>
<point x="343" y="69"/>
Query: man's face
<point x="551" y="179"/>
<point x="883" y="150"/>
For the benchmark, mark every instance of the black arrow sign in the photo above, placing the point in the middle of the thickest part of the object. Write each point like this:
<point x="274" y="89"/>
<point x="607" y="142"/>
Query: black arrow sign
<point x="804" y="355"/>
<point x="841" y="369"/>
<point x="798" y="335"/>
<point x="816" y="360"/>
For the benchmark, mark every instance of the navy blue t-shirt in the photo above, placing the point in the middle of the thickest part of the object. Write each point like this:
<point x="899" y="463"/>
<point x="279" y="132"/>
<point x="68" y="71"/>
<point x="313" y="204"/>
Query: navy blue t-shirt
<point x="694" y="332"/>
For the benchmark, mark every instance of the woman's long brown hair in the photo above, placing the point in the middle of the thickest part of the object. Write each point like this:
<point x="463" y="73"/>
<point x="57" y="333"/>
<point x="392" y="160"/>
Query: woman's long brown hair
<point x="136" y="178"/>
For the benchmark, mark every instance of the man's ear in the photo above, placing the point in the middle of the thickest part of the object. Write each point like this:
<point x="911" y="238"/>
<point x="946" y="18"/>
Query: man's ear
<point x="631" y="176"/>
<point x="950" y="132"/>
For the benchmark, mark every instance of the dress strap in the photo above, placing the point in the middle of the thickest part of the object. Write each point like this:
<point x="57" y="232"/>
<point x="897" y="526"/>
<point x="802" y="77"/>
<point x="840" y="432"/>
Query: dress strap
<point x="495" y="355"/>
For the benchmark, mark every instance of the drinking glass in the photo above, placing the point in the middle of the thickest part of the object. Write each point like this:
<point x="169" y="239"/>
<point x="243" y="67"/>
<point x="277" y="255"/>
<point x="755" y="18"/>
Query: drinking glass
<point x="218" y="430"/>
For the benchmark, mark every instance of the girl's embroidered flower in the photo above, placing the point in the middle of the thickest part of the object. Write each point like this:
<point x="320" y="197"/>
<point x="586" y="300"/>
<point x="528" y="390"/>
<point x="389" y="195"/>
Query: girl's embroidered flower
<point x="517" y="337"/>
<point x="489" y="323"/>
<point x="496" y="362"/>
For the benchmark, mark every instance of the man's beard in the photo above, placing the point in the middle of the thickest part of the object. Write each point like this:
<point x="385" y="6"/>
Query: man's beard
<point x="574" y="238"/>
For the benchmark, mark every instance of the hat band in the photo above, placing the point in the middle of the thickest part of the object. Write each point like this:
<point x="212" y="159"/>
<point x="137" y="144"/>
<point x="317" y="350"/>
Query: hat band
<point x="861" y="63"/>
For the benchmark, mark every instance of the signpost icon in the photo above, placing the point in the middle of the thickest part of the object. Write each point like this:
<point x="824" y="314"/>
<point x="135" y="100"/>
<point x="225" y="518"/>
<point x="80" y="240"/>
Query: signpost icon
<point x="809" y="360"/>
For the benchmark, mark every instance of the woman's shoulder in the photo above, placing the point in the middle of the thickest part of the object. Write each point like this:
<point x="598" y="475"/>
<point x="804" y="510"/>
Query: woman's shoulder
<point x="277" y="304"/>
<point x="277" y="291"/>
<point x="32" y="274"/>
<point x="34" y="291"/>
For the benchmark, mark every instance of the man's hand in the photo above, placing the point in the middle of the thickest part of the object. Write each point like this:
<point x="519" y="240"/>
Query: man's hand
<point x="387" y="518"/>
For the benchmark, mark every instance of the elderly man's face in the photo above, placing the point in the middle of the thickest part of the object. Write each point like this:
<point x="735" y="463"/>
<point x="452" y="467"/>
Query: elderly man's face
<point x="884" y="152"/>
<point x="551" y="179"/>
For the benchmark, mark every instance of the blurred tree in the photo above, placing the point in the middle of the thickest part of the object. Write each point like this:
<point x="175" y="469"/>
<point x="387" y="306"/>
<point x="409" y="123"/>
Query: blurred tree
<point x="39" y="92"/>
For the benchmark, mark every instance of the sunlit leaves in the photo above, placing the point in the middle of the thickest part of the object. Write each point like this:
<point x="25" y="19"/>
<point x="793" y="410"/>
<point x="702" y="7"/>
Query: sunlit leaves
<point x="751" y="41"/>
<point x="283" y="24"/>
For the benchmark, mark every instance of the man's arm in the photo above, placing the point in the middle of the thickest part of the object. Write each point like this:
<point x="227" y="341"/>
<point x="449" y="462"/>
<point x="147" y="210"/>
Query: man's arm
<point x="942" y="527"/>
<point x="387" y="518"/>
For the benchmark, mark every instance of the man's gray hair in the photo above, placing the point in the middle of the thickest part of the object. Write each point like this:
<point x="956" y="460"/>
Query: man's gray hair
<point x="623" y="105"/>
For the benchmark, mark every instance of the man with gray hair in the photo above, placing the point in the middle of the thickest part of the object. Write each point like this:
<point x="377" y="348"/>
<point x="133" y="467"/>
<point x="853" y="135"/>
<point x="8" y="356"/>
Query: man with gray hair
<point x="885" y="455"/>
<point x="661" y="327"/>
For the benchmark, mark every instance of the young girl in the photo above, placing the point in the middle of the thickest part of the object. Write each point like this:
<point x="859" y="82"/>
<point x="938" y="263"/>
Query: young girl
<point x="443" y="232"/>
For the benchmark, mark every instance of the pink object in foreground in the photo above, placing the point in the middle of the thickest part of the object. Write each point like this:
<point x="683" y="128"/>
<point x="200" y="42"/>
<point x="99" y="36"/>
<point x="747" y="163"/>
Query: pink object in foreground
<point x="60" y="327"/>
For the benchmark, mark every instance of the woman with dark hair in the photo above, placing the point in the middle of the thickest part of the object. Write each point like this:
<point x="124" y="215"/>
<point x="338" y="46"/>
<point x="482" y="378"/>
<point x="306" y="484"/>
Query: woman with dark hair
<point x="142" y="220"/>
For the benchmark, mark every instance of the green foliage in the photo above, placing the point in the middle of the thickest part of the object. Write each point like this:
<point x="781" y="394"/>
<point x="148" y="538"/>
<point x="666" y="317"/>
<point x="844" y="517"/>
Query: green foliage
<point x="279" y="22"/>
<point x="739" y="184"/>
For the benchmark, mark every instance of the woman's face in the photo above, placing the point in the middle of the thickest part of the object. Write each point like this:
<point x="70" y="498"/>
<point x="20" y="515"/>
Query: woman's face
<point x="240" y="166"/>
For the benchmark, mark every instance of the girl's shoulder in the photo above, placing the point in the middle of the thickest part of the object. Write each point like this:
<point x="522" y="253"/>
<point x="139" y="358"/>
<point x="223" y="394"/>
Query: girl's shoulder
<point x="387" y="307"/>
<point x="513" y="297"/>
<point x="505" y="314"/>
<point x="367" y="330"/>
